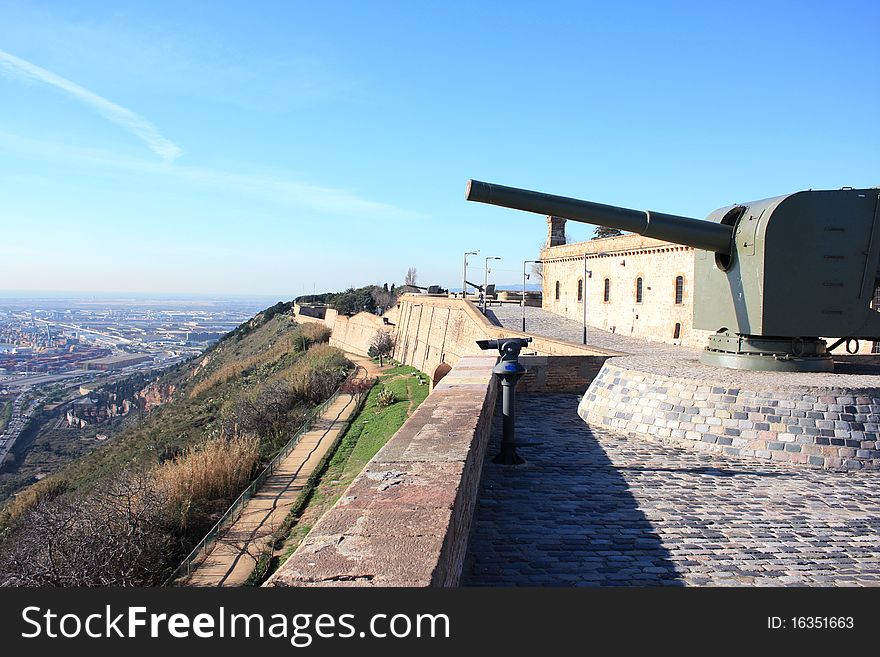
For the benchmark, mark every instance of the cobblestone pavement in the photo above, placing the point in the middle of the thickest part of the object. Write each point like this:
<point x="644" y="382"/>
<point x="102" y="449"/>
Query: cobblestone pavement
<point x="550" y="325"/>
<point x="593" y="508"/>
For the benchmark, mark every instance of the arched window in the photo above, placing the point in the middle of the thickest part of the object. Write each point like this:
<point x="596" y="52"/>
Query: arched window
<point x="639" y="289"/>
<point x="580" y="289"/>
<point x="557" y="290"/>
<point x="607" y="295"/>
<point x="679" y="290"/>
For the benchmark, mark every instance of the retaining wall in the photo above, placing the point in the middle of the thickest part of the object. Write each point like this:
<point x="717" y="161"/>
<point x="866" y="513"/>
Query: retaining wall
<point x="823" y="420"/>
<point x="430" y="331"/>
<point x="559" y="373"/>
<point x="406" y="519"/>
<point x="433" y="333"/>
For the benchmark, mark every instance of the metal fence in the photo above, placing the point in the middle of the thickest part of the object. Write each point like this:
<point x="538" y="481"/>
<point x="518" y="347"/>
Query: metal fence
<point x="233" y="512"/>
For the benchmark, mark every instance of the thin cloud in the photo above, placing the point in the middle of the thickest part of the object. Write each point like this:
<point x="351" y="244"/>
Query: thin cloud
<point x="134" y="123"/>
<point x="282" y="187"/>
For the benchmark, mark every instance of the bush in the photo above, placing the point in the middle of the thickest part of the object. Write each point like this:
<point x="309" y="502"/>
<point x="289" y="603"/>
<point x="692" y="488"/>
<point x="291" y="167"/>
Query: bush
<point x="313" y="333"/>
<point x="385" y="398"/>
<point x="45" y="490"/>
<point x="266" y="412"/>
<point x="314" y="378"/>
<point x="218" y="469"/>
<point x="113" y="537"/>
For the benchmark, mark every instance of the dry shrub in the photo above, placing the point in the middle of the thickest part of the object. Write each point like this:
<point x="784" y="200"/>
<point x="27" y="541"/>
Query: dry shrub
<point x="314" y="333"/>
<point x="235" y="369"/>
<point x="217" y="469"/>
<point x="357" y="387"/>
<point x="314" y="377"/>
<point x="116" y="536"/>
<point x="127" y="533"/>
<point x="45" y="490"/>
<point x="301" y="339"/>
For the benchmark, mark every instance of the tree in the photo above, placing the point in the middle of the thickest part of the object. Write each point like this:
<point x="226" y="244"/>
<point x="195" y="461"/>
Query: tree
<point x="604" y="231"/>
<point x="353" y="301"/>
<point x="411" y="277"/>
<point x="382" y="345"/>
<point x="538" y="270"/>
<point x="383" y="297"/>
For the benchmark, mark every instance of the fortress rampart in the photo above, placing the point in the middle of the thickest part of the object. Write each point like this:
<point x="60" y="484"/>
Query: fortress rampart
<point x="406" y="519"/>
<point x="433" y="333"/>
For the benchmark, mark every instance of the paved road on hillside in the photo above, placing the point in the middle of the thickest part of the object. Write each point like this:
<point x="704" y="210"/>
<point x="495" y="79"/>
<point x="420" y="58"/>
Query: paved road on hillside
<point x="595" y="508"/>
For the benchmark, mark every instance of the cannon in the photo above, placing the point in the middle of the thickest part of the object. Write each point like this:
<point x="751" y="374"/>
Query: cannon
<point x="431" y="289"/>
<point x="771" y="277"/>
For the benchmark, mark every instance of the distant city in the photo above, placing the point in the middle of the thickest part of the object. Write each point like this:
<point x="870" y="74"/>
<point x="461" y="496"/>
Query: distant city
<point x="57" y="336"/>
<point x="67" y="347"/>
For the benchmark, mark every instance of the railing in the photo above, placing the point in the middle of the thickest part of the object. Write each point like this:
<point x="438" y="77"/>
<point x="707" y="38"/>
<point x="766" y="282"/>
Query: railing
<point x="234" y="512"/>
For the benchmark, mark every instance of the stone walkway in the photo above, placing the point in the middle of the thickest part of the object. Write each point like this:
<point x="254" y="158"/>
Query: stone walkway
<point x="234" y="555"/>
<point x="550" y="325"/>
<point x="592" y="508"/>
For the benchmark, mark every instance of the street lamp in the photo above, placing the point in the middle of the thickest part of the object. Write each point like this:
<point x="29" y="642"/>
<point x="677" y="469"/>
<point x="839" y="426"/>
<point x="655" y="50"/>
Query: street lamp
<point x="464" y="276"/>
<point x="587" y="274"/>
<point x="486" y="280"/>
<point x="523" y="300"/>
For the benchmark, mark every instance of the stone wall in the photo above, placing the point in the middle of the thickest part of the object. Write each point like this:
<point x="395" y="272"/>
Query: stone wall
<point x="355" y="333"/>
<point x="623" y="260"/>
<point x="431" y="331"/>
<point x="829" y="421"/>
<point x="559" y="373"/>
<point x="406" y="519"/>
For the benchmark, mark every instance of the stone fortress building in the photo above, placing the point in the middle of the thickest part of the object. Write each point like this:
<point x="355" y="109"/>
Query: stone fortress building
<point x="635" y="286"/>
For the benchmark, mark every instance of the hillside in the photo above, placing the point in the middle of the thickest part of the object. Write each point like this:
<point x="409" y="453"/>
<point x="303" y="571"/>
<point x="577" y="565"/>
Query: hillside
<point x="203" y="429"/>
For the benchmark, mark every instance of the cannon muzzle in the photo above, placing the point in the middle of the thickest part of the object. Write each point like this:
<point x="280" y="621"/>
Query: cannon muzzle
<point x="672" y="228"/>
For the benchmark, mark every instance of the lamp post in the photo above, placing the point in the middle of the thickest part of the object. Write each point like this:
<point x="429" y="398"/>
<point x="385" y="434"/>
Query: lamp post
<point x="523" y="300"/>
<point x="587" y="274"/>
<point x="464" y="276"/>
<point x="486" y="280"/>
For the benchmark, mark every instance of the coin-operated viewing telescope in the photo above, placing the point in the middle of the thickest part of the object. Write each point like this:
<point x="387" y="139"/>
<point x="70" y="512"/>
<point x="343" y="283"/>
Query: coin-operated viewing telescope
<point x="509" y="371"/>
<point x="771" y="277"/>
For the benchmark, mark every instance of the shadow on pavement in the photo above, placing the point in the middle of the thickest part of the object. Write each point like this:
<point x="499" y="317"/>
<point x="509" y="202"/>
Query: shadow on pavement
<point x="566" y="517"/>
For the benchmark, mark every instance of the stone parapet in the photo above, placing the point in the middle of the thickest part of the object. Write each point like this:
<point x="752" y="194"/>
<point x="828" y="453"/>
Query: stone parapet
<point x="829" y="421"/>
<point x="559" y="373"/>
<point x="406" y="519"/>
<point x="431" y="331"/>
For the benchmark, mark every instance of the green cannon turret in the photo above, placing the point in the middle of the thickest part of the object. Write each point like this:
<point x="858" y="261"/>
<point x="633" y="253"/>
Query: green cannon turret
<point x="771" y="276"/>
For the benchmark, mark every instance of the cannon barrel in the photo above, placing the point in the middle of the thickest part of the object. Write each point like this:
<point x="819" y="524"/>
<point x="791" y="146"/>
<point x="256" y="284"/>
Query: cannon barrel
<point x="672" y="228"/>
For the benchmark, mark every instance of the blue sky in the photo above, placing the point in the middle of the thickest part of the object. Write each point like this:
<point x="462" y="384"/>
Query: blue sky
<point x="266" y="147"/>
